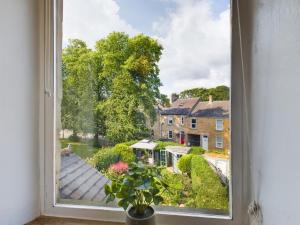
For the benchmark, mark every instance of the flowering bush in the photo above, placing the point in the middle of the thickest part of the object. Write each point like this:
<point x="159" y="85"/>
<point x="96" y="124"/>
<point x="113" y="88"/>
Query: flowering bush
<point x="119" y="167"/>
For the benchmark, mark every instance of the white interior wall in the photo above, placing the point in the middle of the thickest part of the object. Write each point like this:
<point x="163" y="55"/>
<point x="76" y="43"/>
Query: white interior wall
<point x="273" y="33"/>
<point x="19" y="167"/>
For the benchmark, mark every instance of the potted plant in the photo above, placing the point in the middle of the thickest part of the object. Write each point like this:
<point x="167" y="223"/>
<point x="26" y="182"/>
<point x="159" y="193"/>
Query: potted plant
<point x="137" y="189"/>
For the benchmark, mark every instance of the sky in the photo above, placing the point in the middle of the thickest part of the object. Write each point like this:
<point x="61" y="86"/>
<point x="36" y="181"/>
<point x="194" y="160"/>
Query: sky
<point x="195" y="35"/>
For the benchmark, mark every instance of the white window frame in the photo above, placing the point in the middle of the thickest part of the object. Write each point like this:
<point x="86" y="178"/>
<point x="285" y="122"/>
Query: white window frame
<point x="194" y="118"/>
<point x="170" y="120"/>
<point x="171" y="135"/>
<point x="219" y="127"/>
<point x="182" y="120"/>
<point x="49" y="15"/>
<point x="219" y="141"/>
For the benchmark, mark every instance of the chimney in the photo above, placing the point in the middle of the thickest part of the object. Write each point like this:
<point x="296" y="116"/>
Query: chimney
<point x="210" y="99"/>
<point x="174" y="97"/>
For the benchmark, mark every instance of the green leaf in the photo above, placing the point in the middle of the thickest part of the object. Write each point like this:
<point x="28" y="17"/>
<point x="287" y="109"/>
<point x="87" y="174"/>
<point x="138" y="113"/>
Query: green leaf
<point x="157" y="199"/>
<point x="107" y="189"/>
<point x="123" y="203"/>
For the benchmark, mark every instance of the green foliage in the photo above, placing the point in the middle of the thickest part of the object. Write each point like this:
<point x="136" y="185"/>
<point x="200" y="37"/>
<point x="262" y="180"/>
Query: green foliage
<point x="218" y="93"/>
<point x="130" y="70"/>
<point x="110" y="91"/>
<point x="209" y="191"/>
<point x="164" y="101"/>
<point x="140" y="187"/>
<point x="179" y="188"/>
<point x="126" y="153"/>
<point x="104" y="158"/>
<point x="184" y="164"/>
<point x="74" y="138"/>
<point x="162" y="144"/>
<point x="83" y="149"/>
<point x="129" y="143"/>
<point x="107" y="156"/>
<point x="195" y="150"/>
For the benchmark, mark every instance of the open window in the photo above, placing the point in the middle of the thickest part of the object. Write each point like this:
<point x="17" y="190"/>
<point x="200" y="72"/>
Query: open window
<point x="107" y="88"/>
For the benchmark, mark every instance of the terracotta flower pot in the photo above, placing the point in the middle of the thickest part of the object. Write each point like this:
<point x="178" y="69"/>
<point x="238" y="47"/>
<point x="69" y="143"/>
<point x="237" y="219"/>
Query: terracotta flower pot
<point x="148" y="219"/>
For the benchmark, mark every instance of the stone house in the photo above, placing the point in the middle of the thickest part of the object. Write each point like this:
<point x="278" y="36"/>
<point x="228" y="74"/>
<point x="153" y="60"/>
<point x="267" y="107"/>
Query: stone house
<point x="195" y="123"/>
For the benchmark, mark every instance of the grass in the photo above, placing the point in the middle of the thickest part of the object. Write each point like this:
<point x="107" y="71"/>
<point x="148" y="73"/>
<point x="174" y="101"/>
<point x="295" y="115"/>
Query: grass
<point x="83" y="149"/>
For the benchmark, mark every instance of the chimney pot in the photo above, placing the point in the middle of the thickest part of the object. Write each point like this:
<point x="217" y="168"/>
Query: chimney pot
<point x="174" y="97"/>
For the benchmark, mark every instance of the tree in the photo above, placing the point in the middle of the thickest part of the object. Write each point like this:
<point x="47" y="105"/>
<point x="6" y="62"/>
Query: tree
<point x="74" y="81"/>
<point x="218" y="93"/>
<point x="112" y="90"/>
<point x="130" y="72"/>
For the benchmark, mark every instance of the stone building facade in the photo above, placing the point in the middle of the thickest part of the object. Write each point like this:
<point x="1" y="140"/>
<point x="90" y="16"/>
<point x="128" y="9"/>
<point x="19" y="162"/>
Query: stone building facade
<point x="195" y="123"/>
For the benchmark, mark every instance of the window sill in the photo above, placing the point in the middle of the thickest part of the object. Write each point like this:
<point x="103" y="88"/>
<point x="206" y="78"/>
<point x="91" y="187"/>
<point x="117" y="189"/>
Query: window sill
<point x="44" y="220"/>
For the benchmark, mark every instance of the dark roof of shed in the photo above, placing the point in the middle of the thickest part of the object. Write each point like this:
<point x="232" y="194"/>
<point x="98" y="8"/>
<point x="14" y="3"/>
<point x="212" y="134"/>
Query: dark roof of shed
<point x="211" y="109"/>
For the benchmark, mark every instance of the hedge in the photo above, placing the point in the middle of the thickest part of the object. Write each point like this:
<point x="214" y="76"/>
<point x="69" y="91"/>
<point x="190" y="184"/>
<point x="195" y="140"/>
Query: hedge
<point x="196" y="150"/>
<point x="184" y="164"/>
<point x="162" y="144"/>
<point x="107" y="156"/>
<point x="210" y="193"/>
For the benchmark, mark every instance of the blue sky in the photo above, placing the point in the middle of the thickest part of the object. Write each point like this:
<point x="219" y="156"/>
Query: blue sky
<point x="151" y="10"/>
<point x="195" y="34"/>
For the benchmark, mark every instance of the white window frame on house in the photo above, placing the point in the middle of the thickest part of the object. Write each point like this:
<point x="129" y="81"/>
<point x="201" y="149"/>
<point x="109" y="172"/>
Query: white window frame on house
<point x="219" y="141"/>
<point x="182" y="120"/>
<point x="219" y="124"/>
<point x="193" y="123"/>
<point x="170" y="120"/>
<point x="50" y="27"/>
<point x="170" y="136"/>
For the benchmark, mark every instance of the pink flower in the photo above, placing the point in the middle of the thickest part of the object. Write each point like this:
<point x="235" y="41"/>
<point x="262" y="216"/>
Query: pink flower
<point x="119" y="167"/>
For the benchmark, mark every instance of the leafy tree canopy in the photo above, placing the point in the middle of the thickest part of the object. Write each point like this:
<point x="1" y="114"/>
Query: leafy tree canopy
<point x="218" y="93"/>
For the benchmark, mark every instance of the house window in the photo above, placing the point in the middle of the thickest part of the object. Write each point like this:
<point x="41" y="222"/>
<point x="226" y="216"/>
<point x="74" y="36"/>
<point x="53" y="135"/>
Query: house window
<point x="170" y="120"/>
<point x="170" y="134"/>
<point x="193" y="123"/>
<point x="182" y="120"/>
<point x="219" y="142"/>
<point x="219" y="125"/>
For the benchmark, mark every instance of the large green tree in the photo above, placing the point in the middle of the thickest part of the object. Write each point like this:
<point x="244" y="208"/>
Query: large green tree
<point x="218" y="93"/>
<point x="112" y="90"/>
<point x="130" y="70"/>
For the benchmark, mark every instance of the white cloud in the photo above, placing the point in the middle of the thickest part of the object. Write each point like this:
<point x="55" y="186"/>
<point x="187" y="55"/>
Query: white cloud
<point x="197" y="47"/>
<point x="91" y="20"/>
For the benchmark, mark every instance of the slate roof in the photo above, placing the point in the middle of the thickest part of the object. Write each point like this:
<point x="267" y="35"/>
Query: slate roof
<point x="211" y="109"/>
<point x="181" y="106"/>
<point x="195" y="108"/>
<point x="80" y="181"/>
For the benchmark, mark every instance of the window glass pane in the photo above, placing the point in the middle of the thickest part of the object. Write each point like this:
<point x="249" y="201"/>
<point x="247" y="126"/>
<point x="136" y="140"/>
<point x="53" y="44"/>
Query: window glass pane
<point x="149" y="82"/>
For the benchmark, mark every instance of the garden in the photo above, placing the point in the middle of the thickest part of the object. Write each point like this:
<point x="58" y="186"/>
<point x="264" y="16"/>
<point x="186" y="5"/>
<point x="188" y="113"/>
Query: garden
<point x="197" y="186"/>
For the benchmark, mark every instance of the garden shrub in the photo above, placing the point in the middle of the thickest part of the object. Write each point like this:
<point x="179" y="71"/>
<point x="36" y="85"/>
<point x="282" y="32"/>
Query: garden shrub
<point x="128" y="143"/>
<point x="74" y="138"/>
<point x="184" y="164"/>
<point x="209" y="191"/>
<point x="104" y="158"/>
<point x="126" y="153"/>
<point x="162" y="144"/>
<point x="195" y="150"/>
